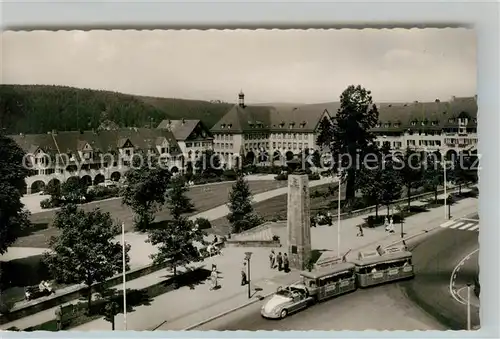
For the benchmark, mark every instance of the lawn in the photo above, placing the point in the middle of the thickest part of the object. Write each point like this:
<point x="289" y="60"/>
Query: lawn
<point x="203" y="197"/>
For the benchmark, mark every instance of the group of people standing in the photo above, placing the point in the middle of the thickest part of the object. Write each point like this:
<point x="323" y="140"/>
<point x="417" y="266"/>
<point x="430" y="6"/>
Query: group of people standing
<point x="279" y="261"/>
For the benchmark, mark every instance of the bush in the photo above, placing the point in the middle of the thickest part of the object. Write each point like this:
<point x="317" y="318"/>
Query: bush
<point x="102" y="192"/>
<point x="203" y="223"/>
<point x="276" y="238"/>
<point x="314" y="176"/>
<point x="281" y="177"/>
<point x="230" y="174"/>
<point x="50" y="203"/>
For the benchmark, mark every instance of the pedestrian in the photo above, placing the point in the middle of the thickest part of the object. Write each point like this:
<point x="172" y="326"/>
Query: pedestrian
<point x="330" y="220"/>
<point x="286" y="263"/>
<point x="215" y="240"/>
<point x="244" y="274"/>
<point x="280" y="261"/>
<point x="313" y="222"/>
<point x="391" y="225"/>
<point x="272" y="259"/>
<point x="59" y="318"/>
<point x="213" y="278"/>
<point x="386" y="224"/>
<point x="360" y="231"/>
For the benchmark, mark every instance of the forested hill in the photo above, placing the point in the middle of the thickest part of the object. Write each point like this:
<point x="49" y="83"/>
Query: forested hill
<point x="40" y="108"/>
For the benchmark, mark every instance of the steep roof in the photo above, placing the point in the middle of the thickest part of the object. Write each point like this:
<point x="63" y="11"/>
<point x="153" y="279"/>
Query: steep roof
<point x="184" y="129"/>
<point x="100" y="141"/>
<point x="395" y="117"/>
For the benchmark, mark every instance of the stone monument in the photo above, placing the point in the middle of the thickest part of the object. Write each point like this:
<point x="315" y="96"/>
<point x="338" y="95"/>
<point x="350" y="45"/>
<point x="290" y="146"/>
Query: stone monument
<point x="298" y="221"/>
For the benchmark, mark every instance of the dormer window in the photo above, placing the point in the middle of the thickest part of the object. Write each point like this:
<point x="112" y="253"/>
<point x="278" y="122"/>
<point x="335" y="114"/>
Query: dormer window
<point x="397" y="124"/>
<point x="292" y="124"/>
<point x="451" y="120"/>
<point x="229" y="126"/>
<point x="302" y="124"/>
<point x="377" y="125"/>
<point x="223" y="126"/>
<point x="434" y="123"/>
<point x="413" y="123"/>
<point x="474" y="121"/>
<point x="387" y="125"/>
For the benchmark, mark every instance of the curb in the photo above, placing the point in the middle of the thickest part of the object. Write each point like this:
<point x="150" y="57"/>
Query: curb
<point x="220" y="315"/>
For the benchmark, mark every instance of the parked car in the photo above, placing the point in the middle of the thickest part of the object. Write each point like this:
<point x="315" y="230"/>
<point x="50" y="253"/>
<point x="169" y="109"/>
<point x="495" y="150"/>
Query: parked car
<point x="287" y="300"/>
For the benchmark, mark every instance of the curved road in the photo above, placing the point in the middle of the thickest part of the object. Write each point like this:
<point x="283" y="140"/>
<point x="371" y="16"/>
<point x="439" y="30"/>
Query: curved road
<point x="442" y="256"/>
<point x="392" y="306"/>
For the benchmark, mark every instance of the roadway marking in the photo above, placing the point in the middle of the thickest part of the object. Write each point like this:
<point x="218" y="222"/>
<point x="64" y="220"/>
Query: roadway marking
<point x="474" y="228"/>
<point x="465" y="226"/>
<point x="456" y="225"/>
<point x="454" y="273"/>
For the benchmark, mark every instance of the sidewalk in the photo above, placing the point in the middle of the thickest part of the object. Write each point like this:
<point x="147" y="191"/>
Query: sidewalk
<point x="188" y="306"/>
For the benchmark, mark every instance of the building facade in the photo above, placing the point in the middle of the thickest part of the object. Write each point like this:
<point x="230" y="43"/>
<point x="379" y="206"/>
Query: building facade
<point x="266" y="134"/>
<point x="192" y="136"/>
<point x="281" y="133"/>
<point x="446" y="128"/>
<point x="94" y="156"/>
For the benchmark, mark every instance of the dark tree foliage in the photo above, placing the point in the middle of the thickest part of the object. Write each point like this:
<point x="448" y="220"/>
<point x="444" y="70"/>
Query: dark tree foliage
<point x="241" y="214"/>
<point x="178" y="202"/>
<point x="85" y="251"/>
<point x="390" y="180"/>
<point x="410" y="171"/>
<point x="177" y="243"/>
<point x="40" y="108"/>
<point x="433" y="175"/>
<point x="145" y="190"/>
<point x="209" y="164"/>
<point x="13" y="217"/>
<point x="325" y="132"/>
<point x="351" y="132"/>
<point x="73" y="190"/>
<point x="369" y="180"/>
<point x="463" y="171"/>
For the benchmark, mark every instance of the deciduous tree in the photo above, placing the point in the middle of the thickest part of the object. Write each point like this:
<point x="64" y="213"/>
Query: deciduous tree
<point x="85" y="251"/>
<point x="178" y="202"/>
<point x="433" y="175"/>
<point x="209" y="164"/>
<point x="241" y="214"/>
<point x="177" y="243"/>
<point x="410" y="171"/>
<point x="13" y="217"/>
<point x="351" y="132"/>
<point x="145" y="190"/>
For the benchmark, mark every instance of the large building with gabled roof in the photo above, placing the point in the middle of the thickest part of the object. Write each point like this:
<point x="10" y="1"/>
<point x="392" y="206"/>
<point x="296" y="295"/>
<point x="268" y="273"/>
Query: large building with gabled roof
<point x="444" y="127"/>
<point x="93" y="156"/>
<point x="192" y="136"/>
<point x="272" y="131"/>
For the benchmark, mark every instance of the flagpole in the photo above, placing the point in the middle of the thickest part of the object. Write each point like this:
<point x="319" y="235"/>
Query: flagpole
<point x="124" y="280"/>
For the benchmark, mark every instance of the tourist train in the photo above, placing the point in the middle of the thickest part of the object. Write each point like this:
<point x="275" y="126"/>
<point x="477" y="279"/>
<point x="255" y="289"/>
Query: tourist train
<point x="338" y="277"/>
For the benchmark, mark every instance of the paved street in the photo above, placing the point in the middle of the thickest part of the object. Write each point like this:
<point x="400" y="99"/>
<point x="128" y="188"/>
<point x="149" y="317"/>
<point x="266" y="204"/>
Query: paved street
<point x="438" y="256"/>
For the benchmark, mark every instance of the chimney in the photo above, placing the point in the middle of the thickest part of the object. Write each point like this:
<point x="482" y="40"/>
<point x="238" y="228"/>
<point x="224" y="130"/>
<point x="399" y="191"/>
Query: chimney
<point x="453" y="98"/>
<point x="437" y="101"/>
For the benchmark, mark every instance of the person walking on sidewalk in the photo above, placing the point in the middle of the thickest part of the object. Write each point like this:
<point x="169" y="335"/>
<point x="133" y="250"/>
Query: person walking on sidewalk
<point x="59" y="318"/>
<point x="280" y="261"/>
<point x="386" y="224"/>
<point x="360" y="231"/>
<point x="244" y="274"/>
<point x="286" y="263"/>
<point x="213" y="278"/>
<point x="391" y="225"/>
<point x="272" y="259"/>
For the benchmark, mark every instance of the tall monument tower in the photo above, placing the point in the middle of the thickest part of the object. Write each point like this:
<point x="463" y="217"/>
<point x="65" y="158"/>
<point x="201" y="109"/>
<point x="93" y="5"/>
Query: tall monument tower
<point x="298" y="221"/>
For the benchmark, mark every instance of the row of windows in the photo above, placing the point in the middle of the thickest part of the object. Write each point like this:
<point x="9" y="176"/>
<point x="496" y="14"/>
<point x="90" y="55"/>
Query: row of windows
<point x="461" y="141"/>
<point x="198" y="144"/>
<point x="294" y="136"/>
<point x="224" y="145"/>
<point x="256" y="136"/>
<point x="226" y="137"/>
<point x="461" y="121"/>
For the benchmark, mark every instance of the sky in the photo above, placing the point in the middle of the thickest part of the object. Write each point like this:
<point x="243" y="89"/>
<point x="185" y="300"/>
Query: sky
<point x="270" y="66"/>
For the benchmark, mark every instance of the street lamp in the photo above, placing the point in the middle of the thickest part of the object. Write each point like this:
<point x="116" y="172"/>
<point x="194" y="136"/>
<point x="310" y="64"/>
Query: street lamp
<point x="338" y="216"/>
<point x="468" y="308"/>
<point x="248" y="255"/>
<point x="124" y="264"/>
